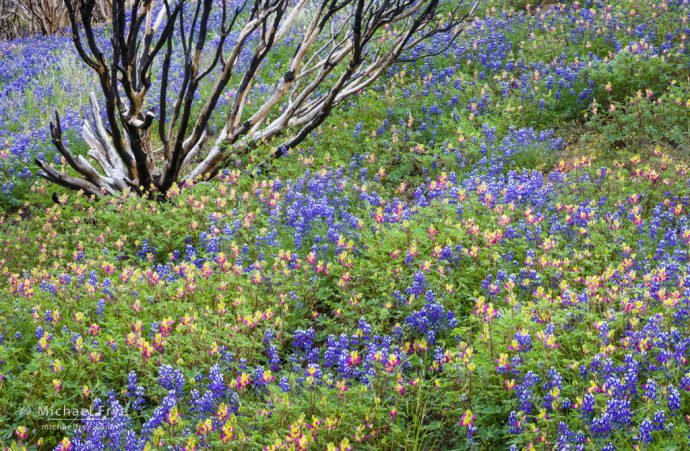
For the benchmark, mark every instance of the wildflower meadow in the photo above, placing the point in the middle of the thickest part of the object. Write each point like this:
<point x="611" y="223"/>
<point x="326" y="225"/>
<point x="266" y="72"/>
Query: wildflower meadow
<point x="486" y="248"/>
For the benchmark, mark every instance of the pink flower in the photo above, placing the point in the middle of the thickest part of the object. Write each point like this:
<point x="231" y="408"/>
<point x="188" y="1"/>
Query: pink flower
<point x="21" y="432"/>
<point x="467" y="419"/>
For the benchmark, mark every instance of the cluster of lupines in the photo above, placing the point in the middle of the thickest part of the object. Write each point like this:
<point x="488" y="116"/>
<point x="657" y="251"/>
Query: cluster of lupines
<point x="506" y="75"/>
<point x="40" y="75"/>
<point x="535" y="68"/>
<point x="528" y="239"/>
<point x="546" y="287"/>
<point x="315" y="311"/>
<point x="103" y="280"/>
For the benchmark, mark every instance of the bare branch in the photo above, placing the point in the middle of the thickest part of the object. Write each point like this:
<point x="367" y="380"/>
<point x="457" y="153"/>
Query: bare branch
<point x="343" y="47"/>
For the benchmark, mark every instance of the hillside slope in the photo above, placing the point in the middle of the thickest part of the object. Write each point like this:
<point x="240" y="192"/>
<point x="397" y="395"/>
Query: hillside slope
<point x="488" y="250"/>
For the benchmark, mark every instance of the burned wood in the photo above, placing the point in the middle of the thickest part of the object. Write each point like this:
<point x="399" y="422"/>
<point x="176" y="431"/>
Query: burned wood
<point x="344" y="47"/>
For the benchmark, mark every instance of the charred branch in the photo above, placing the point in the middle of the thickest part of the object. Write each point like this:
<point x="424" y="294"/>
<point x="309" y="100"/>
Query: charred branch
<point x="344" y="46"/>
